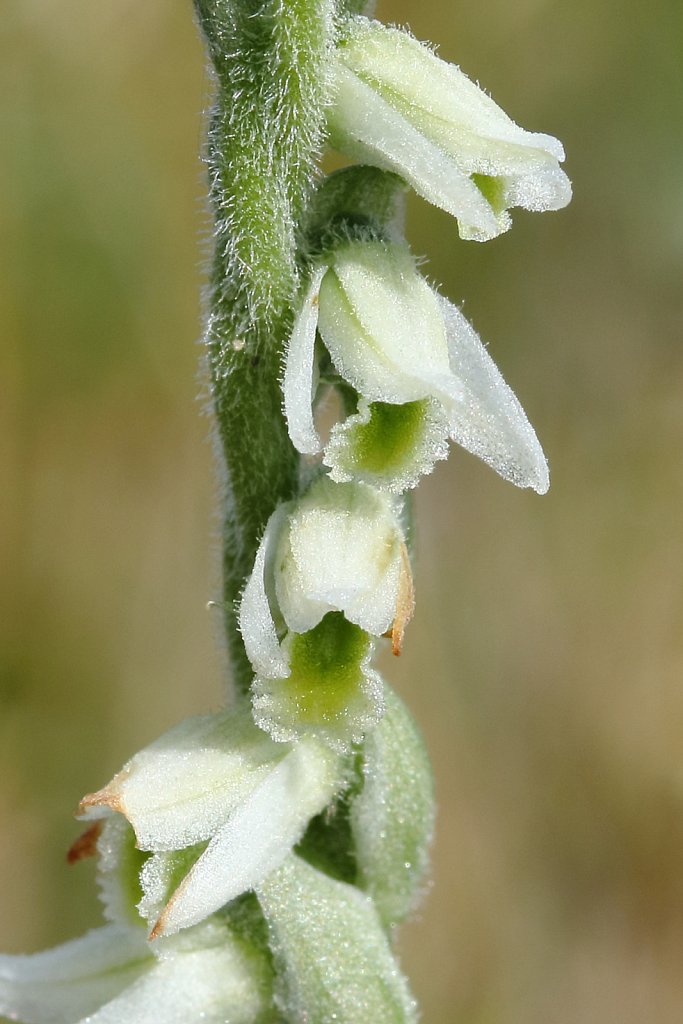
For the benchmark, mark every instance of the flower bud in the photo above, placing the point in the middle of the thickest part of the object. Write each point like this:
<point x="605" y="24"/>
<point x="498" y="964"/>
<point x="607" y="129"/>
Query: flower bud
<point x="399" y="107"/>
<point x="421" y="373"/>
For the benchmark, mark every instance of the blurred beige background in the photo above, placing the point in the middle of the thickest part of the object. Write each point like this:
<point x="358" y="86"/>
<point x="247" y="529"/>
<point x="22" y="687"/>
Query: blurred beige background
<point x="545" y="661"/>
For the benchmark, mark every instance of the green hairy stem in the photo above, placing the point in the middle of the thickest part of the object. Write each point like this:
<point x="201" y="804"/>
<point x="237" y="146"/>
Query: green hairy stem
<point x="264" y="140"/>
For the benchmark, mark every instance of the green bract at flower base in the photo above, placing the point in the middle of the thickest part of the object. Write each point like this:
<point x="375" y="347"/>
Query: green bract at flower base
<point x="421" y="373"/>
<point x="392" y="815"/>
<point x="333" y="959"/>
<point x="399" y="107"/>
<point x="331" y="573"/>
<point x="218" y="804"/>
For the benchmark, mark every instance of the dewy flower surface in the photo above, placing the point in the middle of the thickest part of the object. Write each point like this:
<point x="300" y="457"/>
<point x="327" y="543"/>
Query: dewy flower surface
<point x="218" y="805"/>
<point x="333" y="570"/>
<point x="399" y="107"/>
<point x="111" y="976"/>
<point x="253" y="864"/>
<point x="419" y="369"/>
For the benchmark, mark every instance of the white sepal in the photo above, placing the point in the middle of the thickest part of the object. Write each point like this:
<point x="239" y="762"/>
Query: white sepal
<point x="252" y="842"/>
<point x="62" y="985"/>
<point x="300" y="376"/>
<point x="183" y="787"/>
<point x="489" y="421"/>
<point x="256" y="621"/>
<point x="215" y="985"/>
<point x="333" y="959"/>
<point x="110" y="976"/>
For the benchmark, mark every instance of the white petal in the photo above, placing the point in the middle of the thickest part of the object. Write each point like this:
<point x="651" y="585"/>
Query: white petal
<point x="368" y="128"/>
<point x="489" y="421"/>
<point x="333" y="959"/>
<point x="256" y="622"/>
<point x="441" y="100"/>
<point x="184" y="786"/>
<point x="300" y="377"/>
<point x="226" y="984"/>
<point x="258" y="836"/>
<point x="64" y="984"/>
<point x="381" y="324"/>
<point x="341" y="552"/>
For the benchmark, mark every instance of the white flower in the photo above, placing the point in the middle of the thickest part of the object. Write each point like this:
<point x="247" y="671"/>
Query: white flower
<point x="399" y="107"/>
<point x="111" y="976"/>
<point x="421" y="373"/>
<point x="218" y="805"/>
<point x="331" y="572"/>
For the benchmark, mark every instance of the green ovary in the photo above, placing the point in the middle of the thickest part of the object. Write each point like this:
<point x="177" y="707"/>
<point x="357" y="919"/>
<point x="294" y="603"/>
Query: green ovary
<point x="390" y="437"/>
<point x="326" y="669"/>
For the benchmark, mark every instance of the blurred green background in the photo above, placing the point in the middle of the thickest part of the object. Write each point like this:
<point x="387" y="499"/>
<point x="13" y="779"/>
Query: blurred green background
<point x="545" y="660"/>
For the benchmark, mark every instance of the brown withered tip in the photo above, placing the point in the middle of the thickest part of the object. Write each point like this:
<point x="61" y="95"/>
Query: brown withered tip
<point x="85" y="845"/>
<point x="405" y="605"/>
<point x="107" y="797"/>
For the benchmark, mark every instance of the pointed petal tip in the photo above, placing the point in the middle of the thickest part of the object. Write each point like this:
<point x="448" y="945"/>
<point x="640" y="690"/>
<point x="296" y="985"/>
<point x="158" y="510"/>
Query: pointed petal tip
<point x="300" y="373"/>
<point x="405" y="604"/>
<point x="102" y="802"/>
<point x="157" y="931"/>
<point x="541" y="484"/>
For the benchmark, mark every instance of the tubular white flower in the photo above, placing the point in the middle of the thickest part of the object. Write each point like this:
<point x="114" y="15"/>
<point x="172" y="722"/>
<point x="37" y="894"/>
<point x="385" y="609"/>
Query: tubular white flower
<point x="401" y="108"/>
<point x="338" y="548"/>
<point x="111" y="976"/>
<point x="420" y="370"/>
<point x="341" y="550"/>
<point x="336" y="564"/>
<point x="251" y="844"/>
<point x="215" y="778"/>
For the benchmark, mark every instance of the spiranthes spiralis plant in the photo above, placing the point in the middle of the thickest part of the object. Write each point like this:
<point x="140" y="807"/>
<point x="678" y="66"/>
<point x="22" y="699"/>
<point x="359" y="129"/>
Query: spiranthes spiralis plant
<point x="255" y="863"/>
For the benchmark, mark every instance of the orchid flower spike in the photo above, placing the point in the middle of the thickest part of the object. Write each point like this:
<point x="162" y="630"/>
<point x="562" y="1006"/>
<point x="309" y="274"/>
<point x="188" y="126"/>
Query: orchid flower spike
<point x="331" y="573"/>
<point x="420" y="372"/>
<point x="216" y="805"/>
<point x="399" y="107"/>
